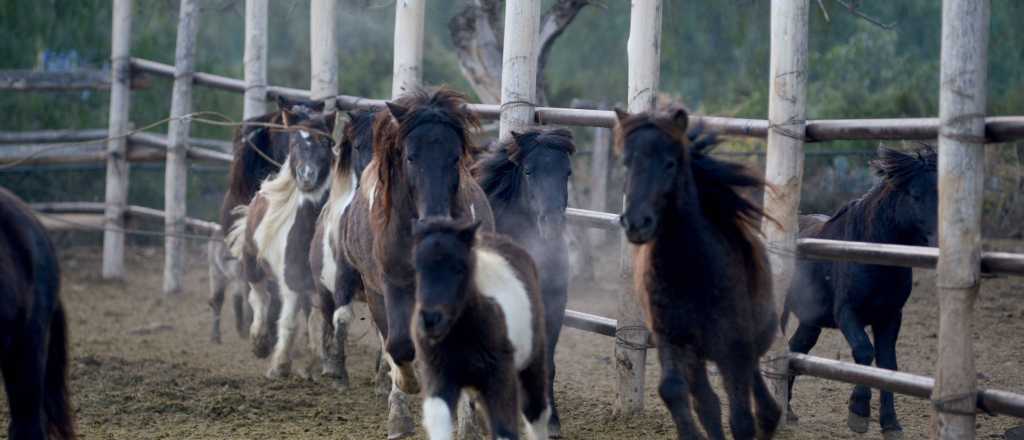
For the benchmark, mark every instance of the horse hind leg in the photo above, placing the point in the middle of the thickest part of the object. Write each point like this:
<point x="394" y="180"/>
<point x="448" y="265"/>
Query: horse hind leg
<point x="852" y="328"/>
<point x="23" y="381"/>
<point x="243" y="311"/>
<point x="674" y="389"/>
<point x="768" y="412"/>
<point x="803" y="340"/>
<point x="218" y="284"/>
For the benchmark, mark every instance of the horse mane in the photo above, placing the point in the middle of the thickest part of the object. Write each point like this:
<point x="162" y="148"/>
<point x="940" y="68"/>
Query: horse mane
<point x="896" y="170"/>
<point x="440" y="105"/>
<point x="249" y="166"/>
<point x="498" y="171"/>
<point x="718" y="183"/>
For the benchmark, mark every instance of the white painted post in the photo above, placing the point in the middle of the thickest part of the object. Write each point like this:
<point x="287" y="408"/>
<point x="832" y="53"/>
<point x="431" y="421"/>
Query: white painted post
<point x="644" y="61"/>
<point x="176" y="174"/>
<point x="323" y="51"/>
<point x="519" y="66"/>
<point x="787" y="93"/>
<point x="255" y="58"/>
<point x="117" y="148"/>
<point x="408" y="62"/>
<point x="962" y="99"/>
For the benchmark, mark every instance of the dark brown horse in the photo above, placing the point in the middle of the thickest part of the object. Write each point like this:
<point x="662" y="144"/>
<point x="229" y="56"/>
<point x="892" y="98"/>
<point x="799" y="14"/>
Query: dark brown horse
<point x="526" y="182"/>
<point x="902" y="208"/>
<point x="259" y="149"/>
<point x="701" y="272"/>
<point x="272" y="239"/>
<point x="356" y="152"/>
<point x="33" y="329"/>
<point x="479" y="325"/>
<point x="420" y="169"/>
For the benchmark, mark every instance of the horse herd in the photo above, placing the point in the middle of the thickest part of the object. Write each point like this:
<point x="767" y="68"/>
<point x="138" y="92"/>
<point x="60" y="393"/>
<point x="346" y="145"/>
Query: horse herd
<point x="459" y="253"/>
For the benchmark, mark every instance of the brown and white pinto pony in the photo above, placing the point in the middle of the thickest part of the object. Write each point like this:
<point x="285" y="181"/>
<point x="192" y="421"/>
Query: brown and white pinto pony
<point x="420" y="168"/>
<point x="356" y="142"/>
<point x="273" y="236"/>
<point x="255" y="145"/>
<point x="479" y="325"/>
<point x="33" y="330"/>
<point x="701" y="272"/>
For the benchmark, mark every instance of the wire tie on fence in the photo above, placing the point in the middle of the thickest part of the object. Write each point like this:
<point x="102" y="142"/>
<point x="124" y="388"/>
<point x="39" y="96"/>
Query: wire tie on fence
<point x="946" y="404"/>
<point x="622" y="340"/>
<point x="517" y="102"/>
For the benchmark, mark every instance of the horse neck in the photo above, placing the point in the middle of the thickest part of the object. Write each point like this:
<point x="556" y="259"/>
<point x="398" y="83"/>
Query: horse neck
<point x="685" y="237"/>
<point x="874" y="217"/>
<point x="513" y="213"/>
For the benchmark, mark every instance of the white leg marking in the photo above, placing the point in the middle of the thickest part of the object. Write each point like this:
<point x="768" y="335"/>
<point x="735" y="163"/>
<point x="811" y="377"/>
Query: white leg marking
<point x="256" y="302"/>
<point x="538" y="429"/>
<point x="437" y="419"/>
<point x="342" y="315"/>
<point x="286" y="327"/>
<point x="496" y="279"/>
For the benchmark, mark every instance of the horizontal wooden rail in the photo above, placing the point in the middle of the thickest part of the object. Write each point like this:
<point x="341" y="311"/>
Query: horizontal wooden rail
<point x="592" y="219"/>
<point x="590" y="323"/>
<point x="994" y="401"/>
<point x="997" y="128"/>
<point x="898" y="255"/>
<point x="146" y="147"/>
<point x="36" y="80"/>
<point x="130" y="210"/>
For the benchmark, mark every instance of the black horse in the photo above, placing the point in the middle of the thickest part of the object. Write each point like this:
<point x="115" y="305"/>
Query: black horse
<point x="701" y="273"/>
<point x="900" y="209"/>
<point x="526" y="182"/>
<point x="33" y="330"/>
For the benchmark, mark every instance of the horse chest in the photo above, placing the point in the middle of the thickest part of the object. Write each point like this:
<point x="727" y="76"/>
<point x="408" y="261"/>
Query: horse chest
<point x="496" y="280"/>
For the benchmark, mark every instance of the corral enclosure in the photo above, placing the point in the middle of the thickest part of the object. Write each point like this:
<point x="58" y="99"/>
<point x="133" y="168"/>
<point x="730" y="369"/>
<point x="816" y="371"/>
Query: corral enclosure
<point x="842" y="174"/>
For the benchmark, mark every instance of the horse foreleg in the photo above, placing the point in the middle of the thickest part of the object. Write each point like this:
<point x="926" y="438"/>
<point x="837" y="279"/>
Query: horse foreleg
<point x="863" y="353"/>
<point x="803" y="340"/>
<point x="400" y="421"/>
<point x="499" y="398"/>
<point x="708" y="407"/>
<point x="885" y="356"/>
<point x="536" y="404"/>
<point x="281" y="361"/>
<point x="737" y="378"/>
<point x="675" y="389"/>
<point x="437" y="410"/>
<point x="768" y="412"/>
<point x="555" y="299"/>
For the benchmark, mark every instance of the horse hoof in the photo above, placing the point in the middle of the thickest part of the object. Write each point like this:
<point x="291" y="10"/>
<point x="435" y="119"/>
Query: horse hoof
<point x="215" y="338"/>
<point x="278" y="372"/>
<point x="792" y="417"/>
<point x="554" y="429"/>
<point x="857" y="423"/>
<point x="893" y="434"/>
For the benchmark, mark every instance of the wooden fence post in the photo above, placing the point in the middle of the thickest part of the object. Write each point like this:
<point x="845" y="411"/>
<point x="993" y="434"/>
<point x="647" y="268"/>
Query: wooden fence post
<point x="600" y="159"/>
<point x="117" y="148"/>
<point x="519" y="67"/>
<point x="176" y="173"/>
<point x="631" y="337"/>
<point x="255" y="59"/>
<point x="407" y="73"/>
<point x="963" y="78"/>
<point x="323" y="51"/>
<point x="784" y="165"/>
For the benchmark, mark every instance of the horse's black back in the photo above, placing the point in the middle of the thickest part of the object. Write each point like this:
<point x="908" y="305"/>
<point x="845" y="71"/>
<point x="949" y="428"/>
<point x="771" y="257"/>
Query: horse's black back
<point x="33" y="339"/>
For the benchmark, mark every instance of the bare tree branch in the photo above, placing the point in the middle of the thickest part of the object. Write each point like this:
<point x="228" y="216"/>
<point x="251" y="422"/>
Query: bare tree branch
<point x="854" y="9"/>
<point x="552" y="24"/>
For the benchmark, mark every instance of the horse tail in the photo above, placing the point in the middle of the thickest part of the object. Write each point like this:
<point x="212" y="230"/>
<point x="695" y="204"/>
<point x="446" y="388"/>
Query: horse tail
<point x="235" y="239"/>
<point x="56" y="404"/>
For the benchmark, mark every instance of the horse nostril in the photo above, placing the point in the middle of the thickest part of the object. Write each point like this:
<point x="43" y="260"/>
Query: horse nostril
<point x="431" y="318"/>
<point x="646" y="221"/>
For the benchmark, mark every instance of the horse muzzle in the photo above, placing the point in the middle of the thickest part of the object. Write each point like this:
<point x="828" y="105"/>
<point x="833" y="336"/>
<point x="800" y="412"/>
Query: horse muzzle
<point x="639" y="228"/>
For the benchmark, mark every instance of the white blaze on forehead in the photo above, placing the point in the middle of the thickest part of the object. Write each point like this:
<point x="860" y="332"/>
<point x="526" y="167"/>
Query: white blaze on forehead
<point x="437" y="419"/>
<point x="496" y="279"/>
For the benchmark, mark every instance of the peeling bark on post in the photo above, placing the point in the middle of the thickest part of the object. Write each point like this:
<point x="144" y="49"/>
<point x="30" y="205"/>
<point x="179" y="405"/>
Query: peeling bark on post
<point x="519" y="67"/>
<point x="117" y="148"/>
<point x="784" y="165"/>
<point x="599" y="160"/>
<point x="963" y="77"/>
<point x="643" y="58"/>
<point x="408" y="64"/>
<point x="176" y="174"/>
<point x="255" y="59"/>
<point x="323" y="51"/>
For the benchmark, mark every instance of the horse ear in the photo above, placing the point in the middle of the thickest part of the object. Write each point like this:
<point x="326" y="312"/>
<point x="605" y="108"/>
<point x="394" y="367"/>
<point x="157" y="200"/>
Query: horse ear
<point x="680" y="118"/>
<point x="518" y="136"/>
<point x="329" y="121"/>
<point x="397" y="110"/>
<point x="468" y="233"/>
<point x="621" y="114"/>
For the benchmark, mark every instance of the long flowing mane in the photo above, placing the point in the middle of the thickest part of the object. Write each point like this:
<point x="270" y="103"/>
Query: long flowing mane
<point x="441" y="105"/>
<point x="498" y="170"/>
<point x="896" y="170"/>
<point x="250" y="167"/>
<point x="718" y="184"/>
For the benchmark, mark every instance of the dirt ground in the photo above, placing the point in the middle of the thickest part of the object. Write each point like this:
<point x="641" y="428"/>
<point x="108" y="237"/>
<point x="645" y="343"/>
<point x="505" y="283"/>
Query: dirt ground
<point x="143" y="367"/>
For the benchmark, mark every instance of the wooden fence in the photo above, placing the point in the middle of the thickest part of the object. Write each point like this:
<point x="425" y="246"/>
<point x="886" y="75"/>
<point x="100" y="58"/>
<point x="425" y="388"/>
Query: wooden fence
<point x="961" y="129"/>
